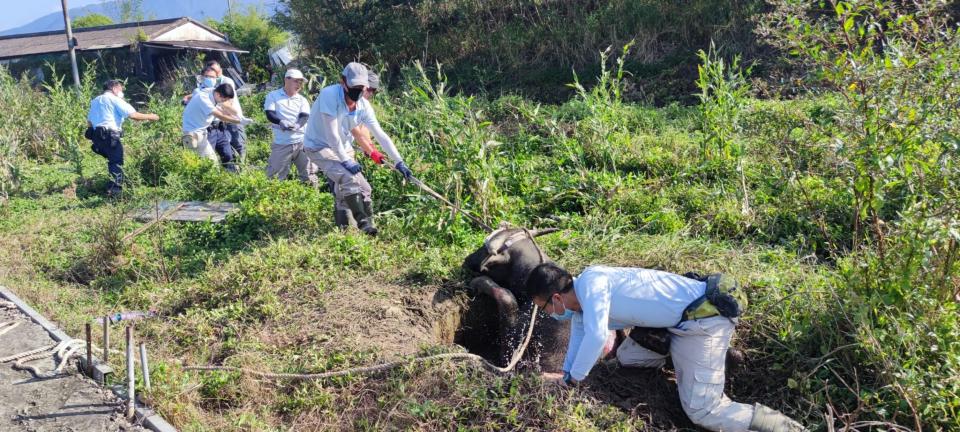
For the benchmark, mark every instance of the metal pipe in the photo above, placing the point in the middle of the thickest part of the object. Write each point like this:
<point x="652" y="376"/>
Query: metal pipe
<point x="106" y="337"/>
<point x="89" y="329"/>
<point x="144" y="366"/>
<point x="71" y="45"/>
<point x="131" y="379"/>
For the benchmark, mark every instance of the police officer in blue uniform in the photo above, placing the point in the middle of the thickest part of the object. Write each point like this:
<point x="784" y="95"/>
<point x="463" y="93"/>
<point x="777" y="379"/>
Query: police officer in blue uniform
<point x="105" y="121"/>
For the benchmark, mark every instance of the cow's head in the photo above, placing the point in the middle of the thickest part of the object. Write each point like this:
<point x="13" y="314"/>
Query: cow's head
<point x="507" y="256"/>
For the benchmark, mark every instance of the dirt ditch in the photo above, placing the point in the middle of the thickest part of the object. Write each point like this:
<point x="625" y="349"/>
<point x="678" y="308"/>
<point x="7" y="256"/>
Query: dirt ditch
<point x="396" y="321"/>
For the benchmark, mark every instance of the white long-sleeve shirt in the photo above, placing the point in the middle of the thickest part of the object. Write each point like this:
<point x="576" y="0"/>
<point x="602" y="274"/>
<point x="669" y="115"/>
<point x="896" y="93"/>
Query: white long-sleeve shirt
<point x="331" y="121"/>
<point x="614" y="298"/>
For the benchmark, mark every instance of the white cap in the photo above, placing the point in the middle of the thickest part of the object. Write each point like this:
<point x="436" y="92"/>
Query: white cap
<point x="294" y="73"/>
<point x="355" y="74"/>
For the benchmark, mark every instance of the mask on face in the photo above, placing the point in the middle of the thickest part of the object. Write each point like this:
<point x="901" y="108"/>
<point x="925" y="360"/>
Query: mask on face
<point x="354" y="94"/>
<point x="208" y="82"/>
<point x="120" y="94"/>
<point x="565" y="316"/>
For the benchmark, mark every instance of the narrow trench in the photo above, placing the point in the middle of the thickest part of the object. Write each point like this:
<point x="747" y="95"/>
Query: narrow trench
<point x="471" y="325"/>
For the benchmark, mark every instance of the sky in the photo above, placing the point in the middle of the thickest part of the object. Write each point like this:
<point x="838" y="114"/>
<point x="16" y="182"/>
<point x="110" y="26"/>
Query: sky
<point x="18" y="12"/>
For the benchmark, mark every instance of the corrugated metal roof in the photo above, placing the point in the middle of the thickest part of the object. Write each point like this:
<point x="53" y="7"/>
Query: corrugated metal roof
<point x="196" y="44"/>
<point x="92" y="38"/>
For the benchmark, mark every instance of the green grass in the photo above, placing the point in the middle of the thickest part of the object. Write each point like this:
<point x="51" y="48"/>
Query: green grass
<point x="626" y="183"/>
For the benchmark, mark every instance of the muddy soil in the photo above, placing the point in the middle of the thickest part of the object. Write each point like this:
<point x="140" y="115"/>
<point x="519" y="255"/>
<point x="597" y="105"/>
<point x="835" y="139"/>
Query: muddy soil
<point x="70" y="402"/>
<point x="395" y="321"/>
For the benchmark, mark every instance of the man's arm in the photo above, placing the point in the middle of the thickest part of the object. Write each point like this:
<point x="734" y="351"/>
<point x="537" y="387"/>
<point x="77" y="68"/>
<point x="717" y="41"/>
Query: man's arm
<point x="228" y="108"/>
<point x="573" y="347"/>
<point x="370" y="121"/>
<point x="594" y="299"/>
<point x="225" y="117"/>
<point x="330" y="132"/>
<point x="362" y="137"/>
<point x="139" y="116"/>
<point x="272" y="116"/>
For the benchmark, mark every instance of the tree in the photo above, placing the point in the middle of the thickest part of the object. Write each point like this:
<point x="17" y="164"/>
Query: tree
<point x="252" y="32"/>
<point x="92" y="20"/>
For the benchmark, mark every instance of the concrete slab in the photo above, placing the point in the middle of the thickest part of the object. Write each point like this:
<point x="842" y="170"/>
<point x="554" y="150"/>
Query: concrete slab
<point x="72" y="402"/>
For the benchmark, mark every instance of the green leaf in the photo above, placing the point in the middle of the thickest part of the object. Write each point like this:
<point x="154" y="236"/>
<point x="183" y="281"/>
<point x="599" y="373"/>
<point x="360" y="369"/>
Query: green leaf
<point x="848" y="24"/>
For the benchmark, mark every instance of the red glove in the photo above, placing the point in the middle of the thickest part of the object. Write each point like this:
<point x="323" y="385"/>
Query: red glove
<point x="377" y="157"/>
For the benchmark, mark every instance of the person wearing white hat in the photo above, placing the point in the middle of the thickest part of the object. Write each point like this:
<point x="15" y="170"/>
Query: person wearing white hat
<point x="338" y="114"/>
<point x="288" y="112"/>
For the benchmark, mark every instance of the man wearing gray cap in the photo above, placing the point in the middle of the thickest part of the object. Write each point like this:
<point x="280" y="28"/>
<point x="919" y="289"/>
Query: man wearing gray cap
<point x="288" y="112"/>
<point x="338" y="114"/>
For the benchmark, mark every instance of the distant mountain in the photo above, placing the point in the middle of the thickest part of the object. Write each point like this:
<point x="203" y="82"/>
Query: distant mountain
<point x="152" y="9"/>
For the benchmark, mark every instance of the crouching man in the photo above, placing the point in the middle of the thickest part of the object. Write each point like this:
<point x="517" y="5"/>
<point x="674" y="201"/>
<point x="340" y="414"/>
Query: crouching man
<point x="199" y="114"/>
<point x="700" y="318"/>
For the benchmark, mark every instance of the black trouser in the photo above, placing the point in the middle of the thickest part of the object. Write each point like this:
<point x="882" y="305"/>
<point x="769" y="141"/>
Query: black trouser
<point x="106" y="143"/>
<point x="219" y="138"/>
<point x="238" y="140"/>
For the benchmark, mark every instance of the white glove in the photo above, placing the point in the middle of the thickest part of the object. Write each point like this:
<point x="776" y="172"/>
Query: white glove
<point x="245" y="121"/>
<point x="288" y="125"/>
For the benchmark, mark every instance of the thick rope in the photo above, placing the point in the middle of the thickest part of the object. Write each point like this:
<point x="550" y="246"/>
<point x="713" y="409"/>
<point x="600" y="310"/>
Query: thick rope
<point x="64" y="351"/>
<point x="383" y="367"/>
<point x="7" y="326"/>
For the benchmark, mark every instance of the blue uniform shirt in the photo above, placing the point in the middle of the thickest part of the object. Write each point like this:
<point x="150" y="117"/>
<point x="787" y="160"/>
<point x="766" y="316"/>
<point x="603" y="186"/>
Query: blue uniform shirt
<point x="109" y="111"/>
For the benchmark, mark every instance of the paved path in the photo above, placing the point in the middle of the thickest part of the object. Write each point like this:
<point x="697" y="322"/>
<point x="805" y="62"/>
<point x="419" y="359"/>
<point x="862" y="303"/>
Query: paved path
<point x="71" y="402"/>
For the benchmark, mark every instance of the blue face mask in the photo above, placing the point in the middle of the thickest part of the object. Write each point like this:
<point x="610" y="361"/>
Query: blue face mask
<point x="567" y="314"/>
<point x="208" y="82"/>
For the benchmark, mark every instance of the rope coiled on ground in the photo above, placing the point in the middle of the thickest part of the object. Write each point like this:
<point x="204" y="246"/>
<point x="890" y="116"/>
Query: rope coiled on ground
<point x="385" y="366"/>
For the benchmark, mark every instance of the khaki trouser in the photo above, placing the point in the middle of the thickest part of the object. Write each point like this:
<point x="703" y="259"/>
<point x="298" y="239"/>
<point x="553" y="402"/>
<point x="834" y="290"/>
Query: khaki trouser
<point x="198" y="143"/>
<point x="282" y="155"/>
<point x="699" y="351"/>
<point x="344" y="183"/>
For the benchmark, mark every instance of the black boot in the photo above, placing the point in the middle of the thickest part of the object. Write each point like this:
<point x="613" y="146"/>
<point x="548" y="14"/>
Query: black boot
<point x="364" y="221"/>
<point x="341" y="218"/>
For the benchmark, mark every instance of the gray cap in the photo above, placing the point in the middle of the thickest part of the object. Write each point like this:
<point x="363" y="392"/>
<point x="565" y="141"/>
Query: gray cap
<point x="374" y="80"/>
<point x="355" y="74"/>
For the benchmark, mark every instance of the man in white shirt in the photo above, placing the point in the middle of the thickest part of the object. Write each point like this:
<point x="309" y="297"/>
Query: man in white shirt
<point x="105" y="121"/>
<point x="609" y="298"/>
<point x="335" y="117"/>
<point x="199" y="115"/>
<point x="288" y="112"/>
<point x="238" y="133"/>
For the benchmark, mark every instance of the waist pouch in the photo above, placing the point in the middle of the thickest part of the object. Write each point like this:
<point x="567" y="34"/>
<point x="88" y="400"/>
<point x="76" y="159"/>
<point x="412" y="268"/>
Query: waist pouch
<point x="723" y="297"/>
<point x="102" y="133"/>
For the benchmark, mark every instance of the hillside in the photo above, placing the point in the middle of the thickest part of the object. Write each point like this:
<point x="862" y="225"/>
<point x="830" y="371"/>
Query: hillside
<point x="151" y="9"/>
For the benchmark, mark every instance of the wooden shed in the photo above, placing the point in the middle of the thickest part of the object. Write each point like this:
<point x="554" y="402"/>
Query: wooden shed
<point x="155" y="43"/>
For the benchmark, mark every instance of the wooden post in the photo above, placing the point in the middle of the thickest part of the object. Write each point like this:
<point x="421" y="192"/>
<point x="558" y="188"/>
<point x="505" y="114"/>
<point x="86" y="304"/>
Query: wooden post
<point x="89" y="329"/>
<point x="131" y="379"/>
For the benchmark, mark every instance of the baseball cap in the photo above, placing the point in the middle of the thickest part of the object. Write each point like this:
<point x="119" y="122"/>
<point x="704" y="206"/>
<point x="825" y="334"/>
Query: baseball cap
<point x="355" y="74"/>
<point x="374" y="80"/>
<point x="294" y="73"/>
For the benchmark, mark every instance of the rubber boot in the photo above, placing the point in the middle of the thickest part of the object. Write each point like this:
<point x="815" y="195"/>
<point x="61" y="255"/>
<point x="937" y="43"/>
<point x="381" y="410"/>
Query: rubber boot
<point x="364" y="221"/>
<point x="341" y="218"/>
<point x="368" y="209"/>
<point x="767" y="419"/>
